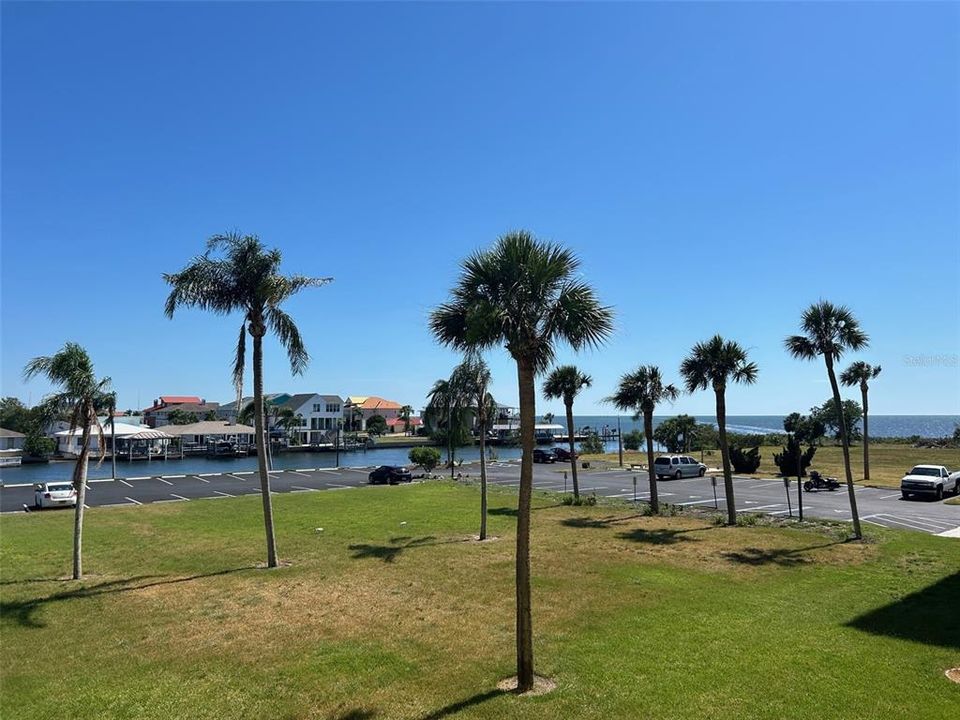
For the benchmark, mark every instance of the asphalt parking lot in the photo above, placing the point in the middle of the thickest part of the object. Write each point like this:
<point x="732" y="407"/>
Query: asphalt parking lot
<point x="877" y="506"/>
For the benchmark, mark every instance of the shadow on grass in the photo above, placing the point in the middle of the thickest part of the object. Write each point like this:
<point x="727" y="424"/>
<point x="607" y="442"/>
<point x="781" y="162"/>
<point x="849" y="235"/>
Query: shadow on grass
<point x="454" y="708"/>
<point x="512" y="512"/>
<point x="22" y="612"/>
<point x="355" y="714"/>
<point x="663" y="536"/>
<point x="928" y="616"/>
<point x="783" y="557"/>
<point x="588" y="522"/>
<point x="397" y="545"/>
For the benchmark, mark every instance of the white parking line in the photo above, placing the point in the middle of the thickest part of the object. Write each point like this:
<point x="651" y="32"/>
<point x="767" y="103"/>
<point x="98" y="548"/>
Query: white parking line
<point x="224" y="494"/>
<point x="124" y="482"/>
<point x="207" y="474"/>
<point x="245" y="472"/>
<point x="234" y="476"/>
<point x="305" y="469"/>
<point x="887" y="497"/>
<point x="297" y="472"/>
<point x="201" y="479"/>
<point x="172" y="477"/>
<point x="99" y="480"/>
<point x="337" y="485"/>
<point x="165" y="481"/>
<point x="955" y="533"/>
<point x="300" y="488"/>
<point x="142" y="477"/>
<point x="135" y="502"/>
<point x="179" y="497"/>
<point x="701" y="502"/>
<point x="906" y="523"/>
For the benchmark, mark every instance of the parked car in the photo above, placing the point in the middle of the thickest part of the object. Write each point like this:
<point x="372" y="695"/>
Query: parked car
<point x="931" y="480"/>
<point x="54" y="494"/>
<point x="542" y="456"/>
<point x="390" y="474"/>
<point x="678" y="466"/>
<point x="563" y="455"/>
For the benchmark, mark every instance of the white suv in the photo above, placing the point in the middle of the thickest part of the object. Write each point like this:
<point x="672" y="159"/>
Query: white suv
<point x="678" y="466"/>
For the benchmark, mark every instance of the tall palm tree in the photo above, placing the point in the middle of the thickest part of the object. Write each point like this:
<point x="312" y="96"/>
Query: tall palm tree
<point x="439" y="412"/>
<point x="641" y="391"/>
<point x="830" y="330"/>
<point x="471" y="380"/>
<point x="82" y="397"/>
<point x="247" y="279"/>
<point x="566" y="382"/>
<point x="525" y="294"/>
<point x="861" y="373"/>
<point x="715" y="363"/>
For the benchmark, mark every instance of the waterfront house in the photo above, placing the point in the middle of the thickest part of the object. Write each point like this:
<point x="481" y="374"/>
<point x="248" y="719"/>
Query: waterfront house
<point x="360" y="408"/>
<point x="399" y="425"/>
<point x="11" y="447"/>
<point x="319" y="417"/>
<point x="158" y="414"/>
<point x="231" y="411"/>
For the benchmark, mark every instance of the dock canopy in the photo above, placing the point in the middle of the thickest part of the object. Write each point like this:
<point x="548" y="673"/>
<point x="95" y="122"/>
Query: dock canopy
<point x="209" y="427"/>
<point x="121" y="430"/>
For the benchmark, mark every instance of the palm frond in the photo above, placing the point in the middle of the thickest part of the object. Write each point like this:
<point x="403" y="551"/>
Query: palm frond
<point x="288" y="333"/>
<point x="239" y="361"/>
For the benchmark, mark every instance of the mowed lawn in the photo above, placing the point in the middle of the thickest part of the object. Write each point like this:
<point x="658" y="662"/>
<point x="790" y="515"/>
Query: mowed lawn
<point x="635" y="617"/>
<point x="888" y="463"/>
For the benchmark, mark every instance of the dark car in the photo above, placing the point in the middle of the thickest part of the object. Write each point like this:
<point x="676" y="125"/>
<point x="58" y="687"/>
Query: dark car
<point x="390" y="474"/>
<point x="542" y="456"/>
<point x="562" y="455"/>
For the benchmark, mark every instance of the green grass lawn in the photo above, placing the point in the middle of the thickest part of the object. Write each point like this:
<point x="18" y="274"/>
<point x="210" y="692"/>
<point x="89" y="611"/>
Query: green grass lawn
<point x="635" y="617"/>
<point x="888" y="463"/>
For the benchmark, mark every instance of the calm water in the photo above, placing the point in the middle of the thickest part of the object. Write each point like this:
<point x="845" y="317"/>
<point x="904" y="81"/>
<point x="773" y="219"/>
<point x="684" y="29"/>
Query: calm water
<point x="880" y="426"/>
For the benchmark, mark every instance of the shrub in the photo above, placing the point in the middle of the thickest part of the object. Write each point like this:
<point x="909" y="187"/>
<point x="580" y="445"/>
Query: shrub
<point x="632" y="440"/>
<point x="745" y="461"/>
<point x="426" y="457"/>
<point x="377" y="425"/>
<point x="787" y="460"/>
<point x="36" y="445"/>
<point x="592" y="445"/>
<point x="589" y="500"/>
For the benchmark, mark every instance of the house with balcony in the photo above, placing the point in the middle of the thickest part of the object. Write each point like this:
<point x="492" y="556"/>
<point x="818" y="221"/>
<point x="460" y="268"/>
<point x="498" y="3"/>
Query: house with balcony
<point x="358" y="409"/>
<point x="319" y="416"/>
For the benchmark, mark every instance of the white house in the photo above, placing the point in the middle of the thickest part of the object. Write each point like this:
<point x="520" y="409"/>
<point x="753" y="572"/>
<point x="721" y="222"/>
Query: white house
<point x="11" y="446"/>
<point x="320" y="415"/>
<point x="146" y="439"/>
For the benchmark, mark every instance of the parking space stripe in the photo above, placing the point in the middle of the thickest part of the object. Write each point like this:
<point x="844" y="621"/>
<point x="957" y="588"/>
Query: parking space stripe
<point x="135" y="502"/>
<point x="121" y="480"/>
<point x="164" y="481"/>
<point x="180" y="497"/>
<point x="224" y="494"/>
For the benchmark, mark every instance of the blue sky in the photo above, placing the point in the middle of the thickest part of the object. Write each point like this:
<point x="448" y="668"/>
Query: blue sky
<point x="717" y="167"/>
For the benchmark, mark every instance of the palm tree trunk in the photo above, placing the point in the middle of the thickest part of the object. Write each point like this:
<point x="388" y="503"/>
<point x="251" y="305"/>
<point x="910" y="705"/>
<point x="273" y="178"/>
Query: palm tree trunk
<point x="262" y="450"/>
<point x="866" y="436"/>
<point x="725" y="454"/>
<point x="651" y="475"/>
<point x="483" y="477"/>
<point x="525" y="377"/>
<point x="573" y="459"/>
<point x="845" y="441"/>
<point x="80" y="484"/>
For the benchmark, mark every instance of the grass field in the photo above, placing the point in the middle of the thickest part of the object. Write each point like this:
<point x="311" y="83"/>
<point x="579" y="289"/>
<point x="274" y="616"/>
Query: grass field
<point x="888" y="463"/>
<point x="635" y="617"/>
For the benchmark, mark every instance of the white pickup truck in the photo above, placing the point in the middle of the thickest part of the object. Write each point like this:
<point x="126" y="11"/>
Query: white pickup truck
<point x="932" y="480"/>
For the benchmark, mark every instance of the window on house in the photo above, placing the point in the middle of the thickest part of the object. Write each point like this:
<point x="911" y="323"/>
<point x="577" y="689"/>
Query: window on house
<point x="333" y="408"/>
<point x="316" y="407"/>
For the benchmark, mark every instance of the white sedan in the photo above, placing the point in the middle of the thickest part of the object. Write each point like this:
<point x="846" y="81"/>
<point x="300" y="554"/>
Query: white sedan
<point x="54" y="494"/>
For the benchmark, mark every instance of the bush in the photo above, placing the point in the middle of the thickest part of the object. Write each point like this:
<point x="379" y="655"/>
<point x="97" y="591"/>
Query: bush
<point x="592" y="445"/>
<point x="787" y="460"/>
<point x="426" y="457"/>
<point x="745" y="461"/>
<point x="632" y="440"/>
<point x="36" y="445"/>
<point x="589" y="500"/>
<point x="377" y="425"/>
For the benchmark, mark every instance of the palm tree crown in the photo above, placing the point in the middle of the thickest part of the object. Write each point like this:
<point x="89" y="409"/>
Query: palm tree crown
<point x="565" y="382"/>
<point x="859" y="373"/>
<point x="716" y="362"/>
<point x="246" y="279"/>
<point x="642" y="390"/>
<point x="828" y="330"/>
<point x="521" y="292"/>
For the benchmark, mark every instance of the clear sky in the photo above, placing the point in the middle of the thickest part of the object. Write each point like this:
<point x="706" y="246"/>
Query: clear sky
<point x="717" y="167"/>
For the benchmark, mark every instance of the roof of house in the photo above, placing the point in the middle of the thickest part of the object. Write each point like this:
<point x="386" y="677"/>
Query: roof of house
<point x="269" y="397"/>
<point x="392" y="422"/>
<point x="10" y="433"/>
<point x="297" y="401"/>
<point x="190" y="407"/>
<point x="209" y="427"/>
<point x="378" y="403"/>
<point x="120" y="430"/>
<point x="173" y="400"/>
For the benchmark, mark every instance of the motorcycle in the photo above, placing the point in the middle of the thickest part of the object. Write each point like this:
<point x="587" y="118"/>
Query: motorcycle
<point x="819" y="482"/>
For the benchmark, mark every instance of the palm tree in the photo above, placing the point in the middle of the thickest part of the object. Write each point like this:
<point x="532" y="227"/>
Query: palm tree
<point x="83" y="398"/>
<point x="830" y="330"/>
<point x="525" y="294"/>
<point x="566" y="382"/>
<point x="405" y="412"/>
<point x="471" y="380"/>
<point x="439" y="412"/>
<point x="641" y="391"/>
<point x="715" y="363"/>
<point x="860" y="373"/>
<point x="246" y="279"/>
